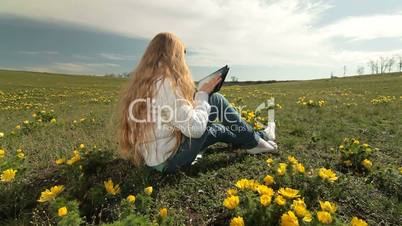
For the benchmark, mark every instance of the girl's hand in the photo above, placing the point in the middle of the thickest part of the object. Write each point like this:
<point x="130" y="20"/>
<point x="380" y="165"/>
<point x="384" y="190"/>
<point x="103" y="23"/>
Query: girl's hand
<point x="209" y="86"/>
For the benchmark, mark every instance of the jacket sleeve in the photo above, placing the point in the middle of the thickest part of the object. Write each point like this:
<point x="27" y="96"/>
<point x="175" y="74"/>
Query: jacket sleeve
<point x="190" y="120"/>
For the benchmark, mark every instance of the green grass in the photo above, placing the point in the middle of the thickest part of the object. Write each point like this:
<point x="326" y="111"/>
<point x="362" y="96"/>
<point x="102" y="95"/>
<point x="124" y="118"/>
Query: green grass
<point x="196" y="195"/>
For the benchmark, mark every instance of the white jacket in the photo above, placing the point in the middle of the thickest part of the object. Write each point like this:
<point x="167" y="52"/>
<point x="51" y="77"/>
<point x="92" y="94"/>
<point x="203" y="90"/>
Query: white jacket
<point x="171" y="111"/>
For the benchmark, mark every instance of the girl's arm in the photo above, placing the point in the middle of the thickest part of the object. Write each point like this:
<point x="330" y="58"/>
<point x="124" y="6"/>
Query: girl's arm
<point x="190" y="120"/>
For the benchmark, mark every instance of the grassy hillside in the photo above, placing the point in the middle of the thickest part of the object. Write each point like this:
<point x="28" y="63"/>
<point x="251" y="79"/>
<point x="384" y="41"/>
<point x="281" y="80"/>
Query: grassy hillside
<point x="84" y="111"/>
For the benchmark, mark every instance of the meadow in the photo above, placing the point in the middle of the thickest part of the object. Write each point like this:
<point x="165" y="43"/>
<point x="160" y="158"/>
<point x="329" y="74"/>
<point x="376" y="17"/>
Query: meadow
<point x="340" y="157"/>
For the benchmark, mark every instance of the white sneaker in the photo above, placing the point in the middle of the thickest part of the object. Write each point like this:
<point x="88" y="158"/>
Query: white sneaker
<point x="269" y="132"/>
<point x="198" y="157"/>
<point x="264" y="147"/>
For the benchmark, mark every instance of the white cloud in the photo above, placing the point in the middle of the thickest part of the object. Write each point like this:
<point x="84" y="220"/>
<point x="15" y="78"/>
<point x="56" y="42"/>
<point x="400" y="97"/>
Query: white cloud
<point x="244" y="32"/>
<point x="366" y="27"/>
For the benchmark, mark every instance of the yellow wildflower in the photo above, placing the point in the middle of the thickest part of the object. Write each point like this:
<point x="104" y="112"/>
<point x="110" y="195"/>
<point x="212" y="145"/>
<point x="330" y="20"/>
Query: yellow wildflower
<point x="348" y="163"/>
<point x="269" y="180"/>
<point x="300" y="208"/>
<point x="299" y="168"/>
<point x="231" y="191"/>
<point x="1" y="134"/>
<point x="289" y="219"/>
<point x="328" y="206"/>
<point x="62" y="211"/>
<point x="269" y="161"/>
<point x="282" y="169"/>
<point x="111" y="188"/>
<point x="367" y="164"/>
<point x="18" y="127"/>
<point x="400" y="170"/>
<point x="60" y="161"/>
<point x="327" y="174"/>
<point x="358" y="222"/>
<point x="265" y="200"/>
<point x="341" y="146"/>
<point x="51" y="193"/>
<point x="289" y="193"/>
<point x="280" y="200"/>
<point x="264" y="190"/>
<point x="231" y="202"/>
<point x="237" y="221"/>
<point x="53" y="120"/>
<point x="163" y="212"/>
<point x="324" y="217"/>
<point x="8" y="175"/>
<point x="2" y="153"/>
<point x="131" y="198"/>
<point x="292" y="160"/>
<point x="148" y="190"/>
<point x="76" y="157"/>
<point x="82" y="146"/>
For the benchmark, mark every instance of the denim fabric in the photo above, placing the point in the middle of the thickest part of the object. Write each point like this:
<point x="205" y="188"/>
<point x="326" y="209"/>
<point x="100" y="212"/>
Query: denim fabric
<point x="230" y="129"/>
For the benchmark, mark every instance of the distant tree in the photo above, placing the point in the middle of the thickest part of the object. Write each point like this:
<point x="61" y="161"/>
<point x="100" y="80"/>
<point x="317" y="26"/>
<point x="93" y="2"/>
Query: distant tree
<point x="360" y="70"/>
<point x="344" y="70"/>
<point x="234" y="79"/>
<point x="390" y="63"/>
<point x="400" y="63"/>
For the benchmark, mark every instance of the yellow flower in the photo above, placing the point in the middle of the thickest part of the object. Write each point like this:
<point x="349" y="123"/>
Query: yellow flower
<point x="148" y="190"/>
<point x="289" y="219"/>
<point x="264" y="190"/>
<point x="76" y="157"/>
<point x="400" y="170"/>
<point x="62" y="211"/>
<point x="282" y="169"/>
<point x="231" y="202"/>
<point x="355" y="141"/>
<point x="307" y="218"/>
<point x="82" y="146"/>
<point x="60" y="161"/>
<point x="269" y="161"/>
<point x="289" y="193"/>
<point x="53" y="120"/>
<point x="20" y="154"/>
<point x="231" y="192"/>
<point x="18" y="127"/>
<point x="8" y="175"/>
<point x="1" y="135"/>
<point x="247" y="184"/>
<point x="341" y="146"/>
<point x="327" y="174"/>
<point x="111" y="188"/>
<point x="365" y="145"/>
<point x="348" y="163"/>
<point x="48" y="195"/>
<point x="299" y="168"/>
<point x="2" y="153"/>
<point x="265" y="200"/>
<point x="237" y="221"/>
<point x="26" y="122"/>
<point x="328" y="206"/>
<point x="324" y="217"/>
<point x="269" y="180"/>
<point x="358" y="222"/>
<point x="280" y="200"/>
<point x="131" y="198"/>
<point x="292" y="160"/>
<point x="367" y="164"/>
<point x="163" y="212"/>
<point x="300" y="208"/>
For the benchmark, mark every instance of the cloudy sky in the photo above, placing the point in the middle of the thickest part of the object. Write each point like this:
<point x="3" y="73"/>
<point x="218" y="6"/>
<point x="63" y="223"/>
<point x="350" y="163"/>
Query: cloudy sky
<point x="259" y="39"/>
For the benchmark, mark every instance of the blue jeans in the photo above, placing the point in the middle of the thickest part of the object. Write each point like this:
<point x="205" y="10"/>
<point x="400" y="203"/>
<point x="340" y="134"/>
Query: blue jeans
<point x="231" y="129"/>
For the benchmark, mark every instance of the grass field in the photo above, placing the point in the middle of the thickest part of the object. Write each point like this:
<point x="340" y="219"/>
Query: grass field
<point x="84" y="113"/>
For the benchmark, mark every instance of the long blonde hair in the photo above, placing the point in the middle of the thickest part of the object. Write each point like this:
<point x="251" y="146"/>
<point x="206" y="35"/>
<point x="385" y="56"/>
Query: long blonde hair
<point x="163" y="59"/>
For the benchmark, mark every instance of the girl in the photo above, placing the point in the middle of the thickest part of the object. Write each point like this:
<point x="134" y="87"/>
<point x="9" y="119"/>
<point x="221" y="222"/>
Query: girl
<point x="164" y="122"/>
